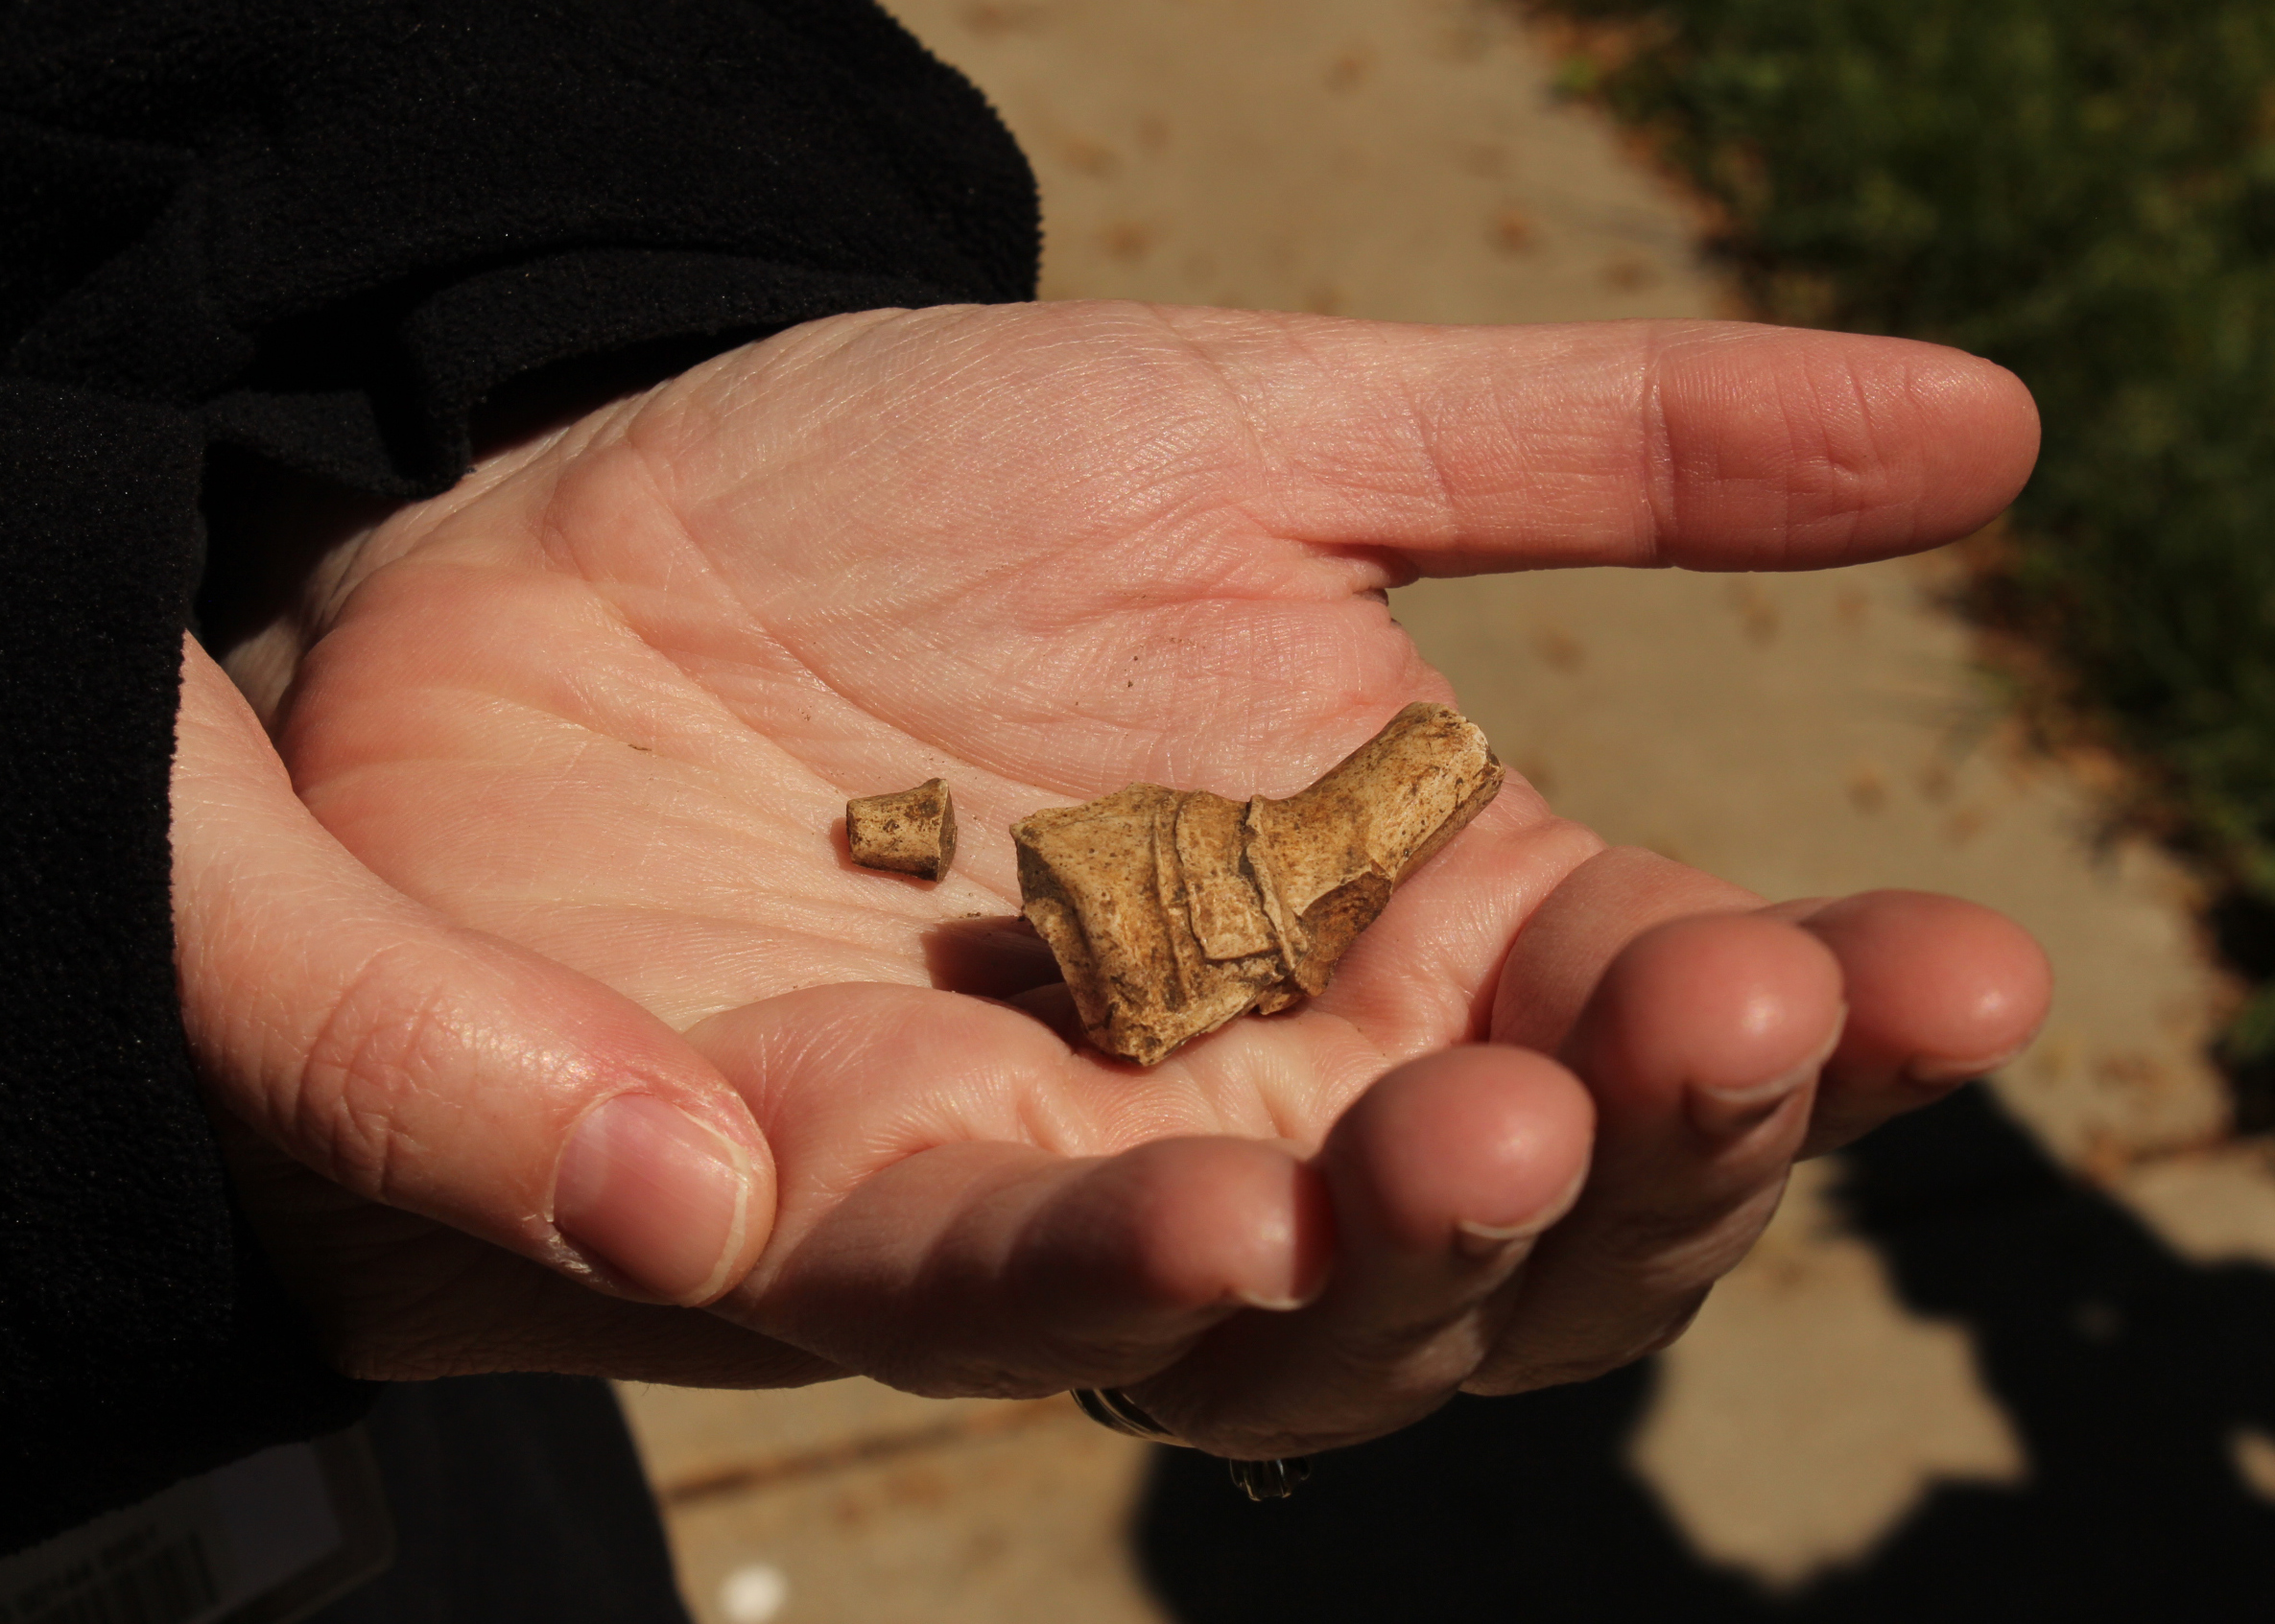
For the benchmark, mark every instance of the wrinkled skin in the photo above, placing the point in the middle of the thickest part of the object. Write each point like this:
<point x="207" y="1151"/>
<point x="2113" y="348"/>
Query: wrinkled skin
<point x="580" y="732"/>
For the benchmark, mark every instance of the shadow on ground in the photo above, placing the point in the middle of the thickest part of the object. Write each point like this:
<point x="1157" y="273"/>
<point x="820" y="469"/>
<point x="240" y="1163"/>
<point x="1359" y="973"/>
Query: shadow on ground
<point x="2242" y="930"/>
<point x="2127" y="1373"/>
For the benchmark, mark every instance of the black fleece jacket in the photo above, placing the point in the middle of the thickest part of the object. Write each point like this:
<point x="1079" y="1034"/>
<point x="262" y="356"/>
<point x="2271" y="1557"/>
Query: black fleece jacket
<point x="318" y="233"/>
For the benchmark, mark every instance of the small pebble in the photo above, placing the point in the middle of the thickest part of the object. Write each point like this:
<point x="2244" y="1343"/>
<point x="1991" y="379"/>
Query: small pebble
<point x="753" y="1593"/>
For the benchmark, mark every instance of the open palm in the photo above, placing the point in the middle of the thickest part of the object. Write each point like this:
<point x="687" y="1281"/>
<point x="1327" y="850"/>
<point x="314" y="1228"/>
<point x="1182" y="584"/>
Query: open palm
<point x="607" y="698"/>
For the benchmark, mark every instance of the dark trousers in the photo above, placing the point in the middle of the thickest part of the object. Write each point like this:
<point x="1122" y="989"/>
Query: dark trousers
<point x="517" y="1499"/>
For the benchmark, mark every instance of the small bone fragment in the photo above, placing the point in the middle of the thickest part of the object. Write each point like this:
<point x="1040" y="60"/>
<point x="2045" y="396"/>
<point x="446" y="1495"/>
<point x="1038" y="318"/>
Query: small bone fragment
<point x="910" y="832"/>
<point x="1171" y="912"/>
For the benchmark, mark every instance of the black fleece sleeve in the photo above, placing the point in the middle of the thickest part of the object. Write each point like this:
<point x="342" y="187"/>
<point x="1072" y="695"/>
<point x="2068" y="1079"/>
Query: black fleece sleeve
<point x="321" y="232"/>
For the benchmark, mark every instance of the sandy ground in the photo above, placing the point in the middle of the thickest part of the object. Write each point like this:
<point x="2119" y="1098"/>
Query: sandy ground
<point x="1410" y="159"/>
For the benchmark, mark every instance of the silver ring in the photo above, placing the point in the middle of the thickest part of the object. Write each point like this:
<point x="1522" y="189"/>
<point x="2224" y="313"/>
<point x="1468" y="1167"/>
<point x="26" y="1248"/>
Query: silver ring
<point x="1270" y="1480"/>
<point x="1118" y="1412"/>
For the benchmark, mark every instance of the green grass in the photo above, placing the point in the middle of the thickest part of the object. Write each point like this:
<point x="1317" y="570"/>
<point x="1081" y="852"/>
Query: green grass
<point x="2084" y="191"/>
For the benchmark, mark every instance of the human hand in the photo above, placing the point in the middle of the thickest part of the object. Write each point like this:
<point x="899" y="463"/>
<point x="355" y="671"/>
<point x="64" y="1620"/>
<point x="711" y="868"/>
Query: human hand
<point x="605" y="699"/>
<point x="432" y="1069"/>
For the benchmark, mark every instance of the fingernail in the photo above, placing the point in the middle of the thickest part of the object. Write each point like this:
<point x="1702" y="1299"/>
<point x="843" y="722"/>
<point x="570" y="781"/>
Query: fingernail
<point x="1723" y="1112"/>
<point x="1484" y="1242"/>
<point x="655" y="1195"/>
<point x="1762" y="1094"/>
<point x="1274" y="1305"/>
<point x="1937" y="1072"/>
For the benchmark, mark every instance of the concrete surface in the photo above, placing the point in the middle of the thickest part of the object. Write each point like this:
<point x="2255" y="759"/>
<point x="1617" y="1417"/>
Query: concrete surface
<point x="1410" y="159"/>
<point x="872" y="1505"/>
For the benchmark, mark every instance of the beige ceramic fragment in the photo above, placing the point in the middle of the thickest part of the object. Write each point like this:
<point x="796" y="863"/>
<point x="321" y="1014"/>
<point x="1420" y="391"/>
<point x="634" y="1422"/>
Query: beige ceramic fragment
<point x="1172" y="911"/>
<point x="910" y="832"/>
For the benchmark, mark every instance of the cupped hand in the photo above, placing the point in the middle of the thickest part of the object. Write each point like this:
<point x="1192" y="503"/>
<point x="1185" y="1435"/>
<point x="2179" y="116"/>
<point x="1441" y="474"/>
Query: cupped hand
<point x="592" y="719"/>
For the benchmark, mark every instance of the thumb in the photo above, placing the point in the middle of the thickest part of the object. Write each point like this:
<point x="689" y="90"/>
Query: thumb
<point x="432" y="1068"/>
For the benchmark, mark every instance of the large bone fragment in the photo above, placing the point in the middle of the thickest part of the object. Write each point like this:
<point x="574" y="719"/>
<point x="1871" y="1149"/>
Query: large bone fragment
<point x="1174" y="911"/>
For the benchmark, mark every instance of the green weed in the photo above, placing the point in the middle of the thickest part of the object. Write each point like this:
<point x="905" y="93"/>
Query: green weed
<point x="2084" y="191"/>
